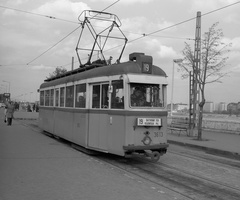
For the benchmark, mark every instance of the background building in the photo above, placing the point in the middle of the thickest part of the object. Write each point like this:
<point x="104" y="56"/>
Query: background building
<point x="222" y="106"/>
<point x="208" y="107"/>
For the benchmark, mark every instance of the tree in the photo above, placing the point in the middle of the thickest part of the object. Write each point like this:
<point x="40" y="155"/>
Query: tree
<point x="58" y="71"/>
<point x="211" y="66"/>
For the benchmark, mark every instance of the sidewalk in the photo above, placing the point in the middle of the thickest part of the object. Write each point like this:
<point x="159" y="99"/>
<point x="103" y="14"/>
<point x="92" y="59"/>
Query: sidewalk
<point x="23" y="115"/>
<point x="219" y="143"/>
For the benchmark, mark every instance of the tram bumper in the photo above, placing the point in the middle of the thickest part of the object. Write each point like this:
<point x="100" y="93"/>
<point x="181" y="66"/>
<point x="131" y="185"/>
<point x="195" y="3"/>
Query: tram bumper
<point x="152" y="151"/>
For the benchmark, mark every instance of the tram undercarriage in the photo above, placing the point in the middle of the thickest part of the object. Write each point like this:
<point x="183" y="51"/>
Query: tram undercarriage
<point x="154" y="152"/>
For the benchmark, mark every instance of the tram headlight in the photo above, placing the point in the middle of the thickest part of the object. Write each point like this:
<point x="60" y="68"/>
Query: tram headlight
<point x="146" y="140"/>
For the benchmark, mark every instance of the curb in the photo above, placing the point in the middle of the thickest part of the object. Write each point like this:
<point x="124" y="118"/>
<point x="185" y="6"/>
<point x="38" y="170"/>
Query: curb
<point x="208" y="150"/>
<point x="21" y="118"/>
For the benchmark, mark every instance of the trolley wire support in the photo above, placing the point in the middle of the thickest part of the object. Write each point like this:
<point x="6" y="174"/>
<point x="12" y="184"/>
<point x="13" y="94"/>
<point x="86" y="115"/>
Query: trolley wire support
<point x="194" y="78"/>
<point x="110" y="29"/>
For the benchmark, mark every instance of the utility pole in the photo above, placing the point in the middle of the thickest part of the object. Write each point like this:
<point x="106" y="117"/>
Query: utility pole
<point x="193" y="81"/>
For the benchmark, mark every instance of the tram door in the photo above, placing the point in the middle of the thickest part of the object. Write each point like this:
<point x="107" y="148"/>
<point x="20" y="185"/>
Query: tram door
<point x="98" y="117"/>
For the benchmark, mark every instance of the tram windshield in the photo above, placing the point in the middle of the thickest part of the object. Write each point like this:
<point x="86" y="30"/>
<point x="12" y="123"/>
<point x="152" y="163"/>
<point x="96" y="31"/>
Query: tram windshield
<point x="146" y="95"/>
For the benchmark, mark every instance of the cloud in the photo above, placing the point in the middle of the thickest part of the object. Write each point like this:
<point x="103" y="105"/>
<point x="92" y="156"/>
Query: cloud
<point x="210" y="5"/>
<point x="63" y="8"/>
<point x="125" y="2"/>
<point x="166" y="52"/>
<point x="235" y="44"/>
<point x="42" y="67"/>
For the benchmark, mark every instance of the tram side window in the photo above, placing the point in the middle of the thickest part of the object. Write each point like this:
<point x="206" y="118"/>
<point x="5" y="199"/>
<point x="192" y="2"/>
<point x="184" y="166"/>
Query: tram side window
<point x="105" y="98"/>
<point x="41" y="98"/>
<point x="80" y="96"/>
<point x="47" y="95"/>
<point x="100" y="96"/>
<point x="96" y="96"/>
<point x="117" y="97"/>
<point x="56" y="97"/>
<point x="51" y="97"/>
<point x="62" y="94"/>
<point x="69" y="96"/>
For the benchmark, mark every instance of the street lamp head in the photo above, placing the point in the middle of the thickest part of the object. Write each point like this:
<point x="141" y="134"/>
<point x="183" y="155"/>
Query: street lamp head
<point x="177" y="60"/>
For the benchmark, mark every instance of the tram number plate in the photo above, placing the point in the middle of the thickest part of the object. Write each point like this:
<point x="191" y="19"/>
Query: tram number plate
<point x="149" y="122"/>
<point x="158" y="134"/>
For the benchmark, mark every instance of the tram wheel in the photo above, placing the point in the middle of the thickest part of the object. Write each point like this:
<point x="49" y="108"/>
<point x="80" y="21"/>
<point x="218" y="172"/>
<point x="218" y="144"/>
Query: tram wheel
<point x="155" y="156"/>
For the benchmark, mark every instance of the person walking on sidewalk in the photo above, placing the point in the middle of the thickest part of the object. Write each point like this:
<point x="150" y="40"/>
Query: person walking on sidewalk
<point x="9" y="113"/>
<point x="5" y="113"/>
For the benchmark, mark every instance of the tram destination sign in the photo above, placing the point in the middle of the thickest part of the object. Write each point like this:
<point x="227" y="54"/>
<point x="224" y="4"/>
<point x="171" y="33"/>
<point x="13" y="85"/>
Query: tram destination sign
<point x="149" y="121"/>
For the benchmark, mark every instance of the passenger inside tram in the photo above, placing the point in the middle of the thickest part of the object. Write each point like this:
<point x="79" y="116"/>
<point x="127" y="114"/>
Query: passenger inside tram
<point x="138" y="97"/>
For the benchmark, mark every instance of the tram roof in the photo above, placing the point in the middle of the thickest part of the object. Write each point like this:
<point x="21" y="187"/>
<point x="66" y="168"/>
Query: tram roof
<point x="129" y="67"/>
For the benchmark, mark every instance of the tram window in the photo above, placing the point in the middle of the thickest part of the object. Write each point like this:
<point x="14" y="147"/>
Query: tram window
<point x="56" y="97"/>
<point x="51" y="97"/>
<point x="117" y="98"/>
<point x="105" y="98"/>
<point x="62" y="94"/>
<point x="146" y="95"/>
<point x="96" y="96"/>
<point x="69" y="96"/>
<point x="80" y="96"/>
<point x="47" y="95"/>
<point x="41" y="98"/>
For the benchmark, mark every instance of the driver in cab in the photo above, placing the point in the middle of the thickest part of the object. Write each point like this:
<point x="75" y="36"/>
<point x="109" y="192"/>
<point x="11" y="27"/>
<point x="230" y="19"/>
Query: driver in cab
<point x="138" y="97"/>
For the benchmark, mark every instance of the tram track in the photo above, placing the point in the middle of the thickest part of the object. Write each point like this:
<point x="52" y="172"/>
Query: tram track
<point x="143" y="176"/>
<point x="188" y="185"/>
<point x="203" y="178"/>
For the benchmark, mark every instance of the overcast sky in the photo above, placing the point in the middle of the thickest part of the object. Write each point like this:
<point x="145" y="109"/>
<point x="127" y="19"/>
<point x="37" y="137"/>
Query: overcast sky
<point x="27" y="32"/>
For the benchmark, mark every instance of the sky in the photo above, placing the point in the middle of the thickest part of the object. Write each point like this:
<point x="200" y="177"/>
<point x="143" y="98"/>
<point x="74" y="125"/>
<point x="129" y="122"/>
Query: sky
<point x="38" y="36"/>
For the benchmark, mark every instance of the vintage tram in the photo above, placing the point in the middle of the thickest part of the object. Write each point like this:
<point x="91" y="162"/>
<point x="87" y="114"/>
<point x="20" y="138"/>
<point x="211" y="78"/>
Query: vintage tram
<point x="118" y="109"/>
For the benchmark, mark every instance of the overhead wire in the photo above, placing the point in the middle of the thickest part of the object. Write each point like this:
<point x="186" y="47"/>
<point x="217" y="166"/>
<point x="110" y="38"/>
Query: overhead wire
<point x="174" y="25"/>
<point x="67" y="36"/>
<point x="52" y="17"/>
<point x="37" y="14"/>
<point x="131" y="41"/>
<point x="53" y="45"/>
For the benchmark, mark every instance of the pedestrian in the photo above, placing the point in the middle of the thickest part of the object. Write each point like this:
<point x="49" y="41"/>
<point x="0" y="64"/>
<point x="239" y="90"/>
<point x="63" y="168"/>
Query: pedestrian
<point x="34" y="107"/>
<point x="5" y="113"/>
<point x="9" y="113"/>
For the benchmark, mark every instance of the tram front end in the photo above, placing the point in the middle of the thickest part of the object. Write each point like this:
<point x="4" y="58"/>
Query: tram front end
<point x="147" y="137"/>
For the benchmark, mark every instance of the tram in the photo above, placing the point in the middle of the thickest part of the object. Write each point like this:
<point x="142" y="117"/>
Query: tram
<point x="116" y="108"/>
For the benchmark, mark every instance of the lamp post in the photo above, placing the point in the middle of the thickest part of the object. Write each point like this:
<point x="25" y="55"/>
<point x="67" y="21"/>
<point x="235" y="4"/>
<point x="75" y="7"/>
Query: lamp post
<point x="8" y="85"/>
<point x="174" y="61"/>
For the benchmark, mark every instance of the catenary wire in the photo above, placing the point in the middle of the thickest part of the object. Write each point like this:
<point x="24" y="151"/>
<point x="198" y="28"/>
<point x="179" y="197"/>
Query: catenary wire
<point x="67" y="36"/>
<point x="177" y="24"/>
<point x="174" y="25"/>
<point x="37" y="14"/>
<point x="142" y="35"/>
